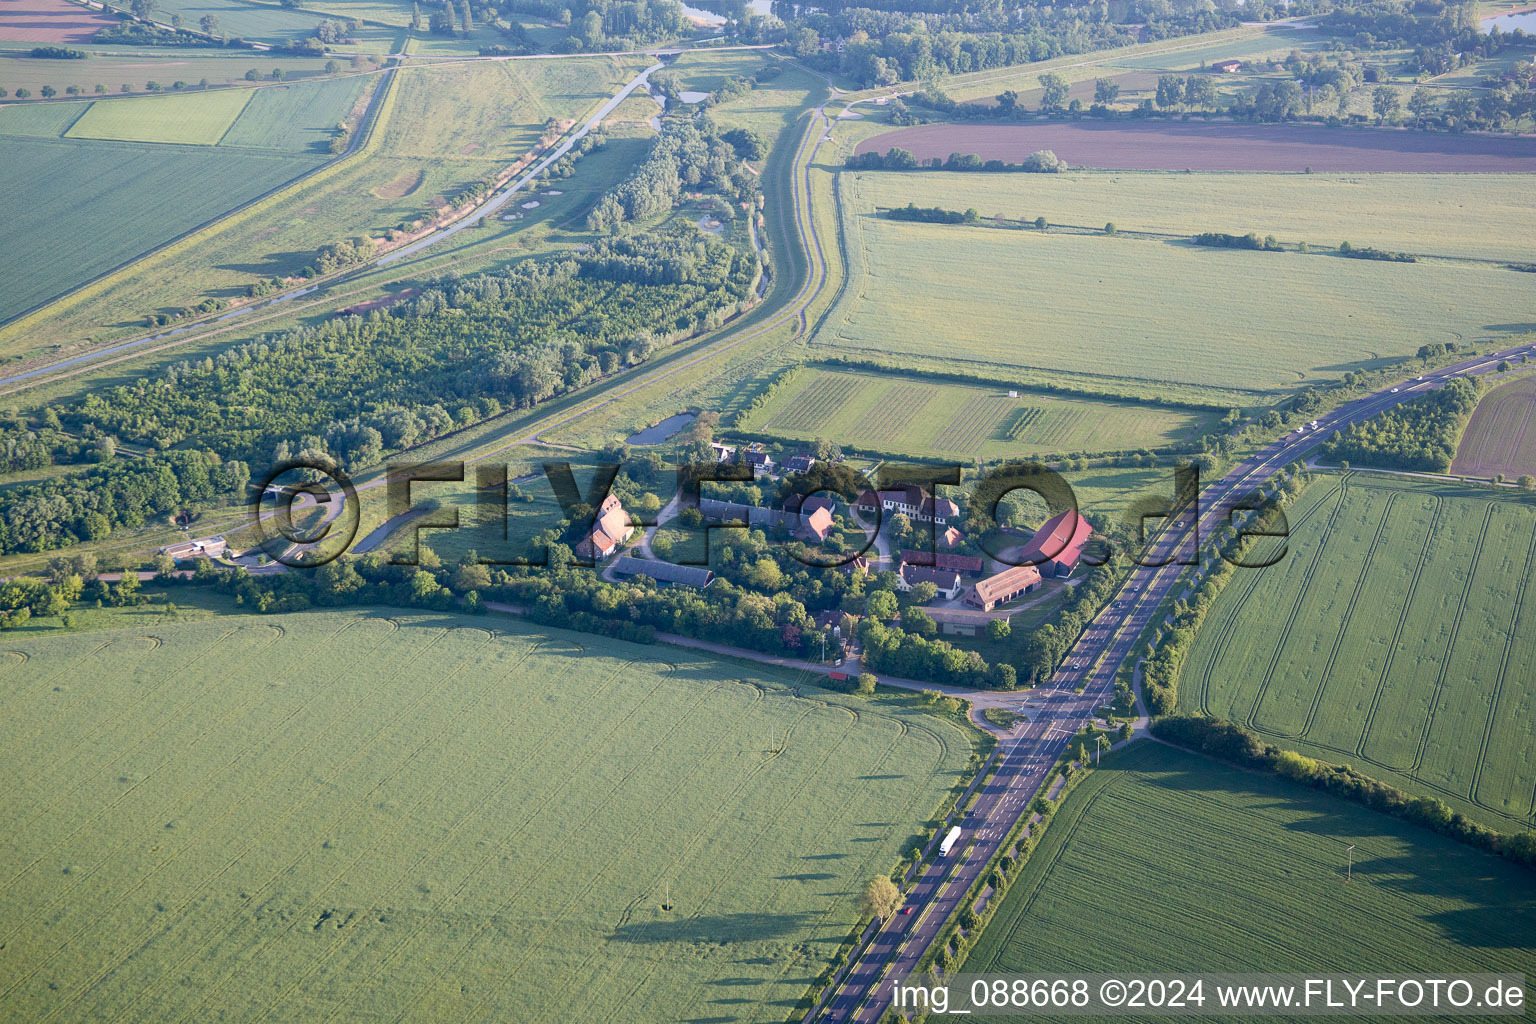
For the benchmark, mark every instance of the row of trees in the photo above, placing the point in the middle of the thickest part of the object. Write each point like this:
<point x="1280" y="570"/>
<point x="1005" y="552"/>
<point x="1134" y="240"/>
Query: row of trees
<point x="1233" y="743"/>
<point x="1042" y="161"/>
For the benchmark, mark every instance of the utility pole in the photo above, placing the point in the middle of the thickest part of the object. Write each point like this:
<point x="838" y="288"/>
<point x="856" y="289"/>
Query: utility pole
<point x="1349" y="870"/>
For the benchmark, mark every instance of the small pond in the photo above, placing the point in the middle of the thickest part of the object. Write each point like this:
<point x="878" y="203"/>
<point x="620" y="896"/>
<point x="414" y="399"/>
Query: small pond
<point x="661" y="431"/>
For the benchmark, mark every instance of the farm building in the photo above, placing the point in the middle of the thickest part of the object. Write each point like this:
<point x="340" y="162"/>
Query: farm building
<point x="1004" y="587"/>
<point x="951" y="538"/>
<point x="809" y="505"/>
<point x="610" y="529"/>
<point x="966" y="565"/>
<point x="663" y="572"/>
<point x="946" y="580"/>
<point x="911" y="501"/>
<point x="723" y="452"/>
<point x="817" y="525"/>
<point x="1227" y="66"/>
<point x="1057" y="546"/>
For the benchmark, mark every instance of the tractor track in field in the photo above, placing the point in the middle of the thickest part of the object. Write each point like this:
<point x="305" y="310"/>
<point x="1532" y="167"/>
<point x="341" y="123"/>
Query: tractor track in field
<point x="1498" y="689"/>
<point x="1349" y="615"/>
<point x="1290" y="622"/>
<point x="1450" y="647"/>
<point x="1396" y="641"/>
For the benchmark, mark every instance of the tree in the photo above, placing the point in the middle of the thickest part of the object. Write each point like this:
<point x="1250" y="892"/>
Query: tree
<point x="881" y="898"/>
<point x="278" y="74"/>
<point x="209" y="23"/>
<point x="1053" y="95"/>
<point x="1105" y="91"/>
<point x="23" y="93"/>
<point x="1007" y="103"/>
<point x="1126" y="731"/>
<point x="999" y="629"/>
<point x="881" y="605"/>
<point x="332" y="66"/>
<point x="1170" y="91"/>
<point x="867" y="681"/>
<point x="1527" y="482"/>
<point x="919" y="622"/>
<point x="1420" y="103"/>
<point x="924" y="592"/>
<point x="144" y="10"/>
<point x="466" y="23"/>
<point x="253" y="75"/>
<point x="1040" y="224"/>
<point x="49" y="92"/>
<point x="1200" y="91"/>
<point x="1385" y="102"/>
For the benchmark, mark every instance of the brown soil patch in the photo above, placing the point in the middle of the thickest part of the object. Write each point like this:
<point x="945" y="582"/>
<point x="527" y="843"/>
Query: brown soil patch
<point x="49" y="21"/>
<point x="1198" y="146"/>
<point x="401" y="187"/>
<point x="1501" y="436"/>
<point x="470" y="147"/>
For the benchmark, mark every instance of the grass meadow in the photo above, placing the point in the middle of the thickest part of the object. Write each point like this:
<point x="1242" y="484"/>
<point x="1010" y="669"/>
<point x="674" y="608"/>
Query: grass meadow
<point x="300" y="117"/>
<point x="359" y="814"/>
<point x="108" y="202"/>
<point x="1182" y="317"/>
<point x="194" y="118"/>
<point x="925" y="418"/>
<point x="1163" y="861"/>
<point x="1393" y="636"/>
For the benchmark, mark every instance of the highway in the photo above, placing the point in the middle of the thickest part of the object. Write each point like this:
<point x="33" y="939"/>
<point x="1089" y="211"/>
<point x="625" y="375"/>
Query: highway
<point x="1091" y="665"/>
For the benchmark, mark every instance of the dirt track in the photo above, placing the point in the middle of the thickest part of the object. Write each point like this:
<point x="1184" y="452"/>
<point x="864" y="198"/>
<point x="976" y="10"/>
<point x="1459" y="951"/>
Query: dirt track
<point x="1198" y="146"/>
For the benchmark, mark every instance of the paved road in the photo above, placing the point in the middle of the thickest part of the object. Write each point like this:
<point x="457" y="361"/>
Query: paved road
<point x="1091" y="667"/>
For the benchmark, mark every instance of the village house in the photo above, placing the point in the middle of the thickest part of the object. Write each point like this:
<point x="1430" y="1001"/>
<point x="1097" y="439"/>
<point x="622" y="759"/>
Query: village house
<point x="610" y="529"/>
<point x="1227" y="67"/>
<point x="761" y="462"/>
<point x="799" y="464"/>
<point x="911" y="501"/>
<point x="947" y="581"/>
<point x="966" y="565"/>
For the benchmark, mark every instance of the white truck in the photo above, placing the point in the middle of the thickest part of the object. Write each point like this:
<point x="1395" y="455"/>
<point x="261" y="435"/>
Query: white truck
<point x="949" y="842"/>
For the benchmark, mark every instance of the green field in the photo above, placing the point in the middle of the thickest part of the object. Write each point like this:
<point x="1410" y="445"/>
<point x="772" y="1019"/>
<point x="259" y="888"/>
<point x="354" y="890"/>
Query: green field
<point x="270" y="22"/>
<point x="108" y="202"/>
<point x="40" y="120"/>
<point x="1166" y="862"/>
<point x="299" y="118"/>
<point x="927" y="418"/>
<point x="1483" y="216"/>
<point x="1143" y="315"/>
<point x="409" y="166"/>
<point x="194" y="118"/>
<point x="114" y="68"/>
<point x="345" y="815"/>
<point x="1394" y="637"/>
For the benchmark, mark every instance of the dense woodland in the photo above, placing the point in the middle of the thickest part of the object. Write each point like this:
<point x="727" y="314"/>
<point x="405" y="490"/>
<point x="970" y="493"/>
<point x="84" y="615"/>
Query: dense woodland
<point x="690" y="154"/>
<point x="124" y="493"/>
<point x="1421" y="434"/>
